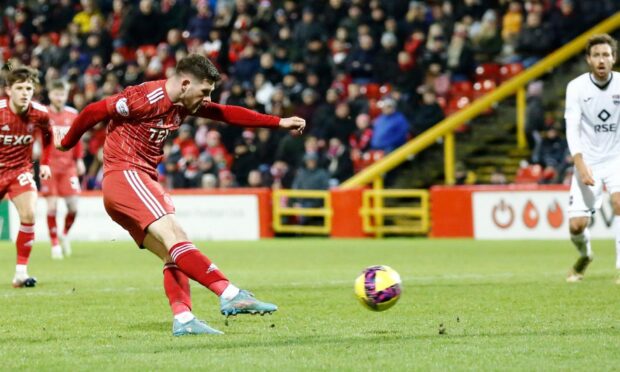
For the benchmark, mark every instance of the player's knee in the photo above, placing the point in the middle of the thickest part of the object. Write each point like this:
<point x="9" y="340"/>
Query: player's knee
<point x="26" y="217"/>
<point x="179" y="234"/>
<point x="577" y="225"/>
<point x="615" y="203"/>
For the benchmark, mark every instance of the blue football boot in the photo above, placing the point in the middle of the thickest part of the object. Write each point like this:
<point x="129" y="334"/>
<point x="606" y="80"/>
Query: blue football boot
<point x="193" y="327"/>
<point x="245" y="303"/>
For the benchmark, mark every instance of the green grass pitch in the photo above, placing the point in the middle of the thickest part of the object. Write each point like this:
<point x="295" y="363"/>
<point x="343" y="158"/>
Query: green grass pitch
<point x="466" y="305"/>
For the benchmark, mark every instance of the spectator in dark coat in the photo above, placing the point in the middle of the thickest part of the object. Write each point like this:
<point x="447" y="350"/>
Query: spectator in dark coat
<point x="565" y="22"/>
<point x="360" y="62"/>
<point x="342" y="126"/>
<point x="535" y="40"/>
<point x="338" y="162"/>
<point x="427" y="114"/>
<point x="324" y="114"/>
<point x="200" y="25"/>
<point x="386" y="62"/>
<point x="144" y="26"/>
<point x="243" y="163"/>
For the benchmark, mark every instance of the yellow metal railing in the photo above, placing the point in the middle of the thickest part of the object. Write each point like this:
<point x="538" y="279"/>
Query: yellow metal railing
<point x="446" y="127"/>
<point x="373" y="212"/>
<point x="280" y="211"/>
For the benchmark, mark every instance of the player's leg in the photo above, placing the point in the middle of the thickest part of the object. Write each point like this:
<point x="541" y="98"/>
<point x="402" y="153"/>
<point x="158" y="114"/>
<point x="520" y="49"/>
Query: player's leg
<point x="583" y="200"/>
<point x="177" y="289"/>
<point x="25" y="204"/>
<point x="199" y="267"/>
<point x="133" y="206"/>
<point x="72" y="207"/>
<point x="615" y="202"/>
<point x="580" y="236"/>
<point x="612" y="182"/>
<point x="52" y="204"/>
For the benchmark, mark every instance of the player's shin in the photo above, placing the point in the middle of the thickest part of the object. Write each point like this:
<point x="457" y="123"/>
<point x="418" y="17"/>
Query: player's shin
<point x="69" y="219"/>
<point x="199" y="268"/>
<point x="616" y="228"/>
<point x="25" y="239"/>
<point x="52" y="227"/>
<point x="582" y="243"/>
<point x="176" y="286"/>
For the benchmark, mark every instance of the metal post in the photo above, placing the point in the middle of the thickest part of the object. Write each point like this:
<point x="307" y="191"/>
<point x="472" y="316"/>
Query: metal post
<point x="521" y="105"/>
<point x="448" y="158"/>
<point x="377" y="184"/>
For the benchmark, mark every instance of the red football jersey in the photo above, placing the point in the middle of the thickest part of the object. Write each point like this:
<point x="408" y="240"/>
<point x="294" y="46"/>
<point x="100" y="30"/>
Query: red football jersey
<point x="17" y="133"/>
<point x="143" y="116"/>
<point x="63" y="161"/>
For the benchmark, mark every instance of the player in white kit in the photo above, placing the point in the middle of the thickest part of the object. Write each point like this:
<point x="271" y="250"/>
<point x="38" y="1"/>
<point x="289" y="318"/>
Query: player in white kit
<point x="592" y="120"/>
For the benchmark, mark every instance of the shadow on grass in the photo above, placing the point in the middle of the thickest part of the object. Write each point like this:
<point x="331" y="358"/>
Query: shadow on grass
<point x="231" y="341"/>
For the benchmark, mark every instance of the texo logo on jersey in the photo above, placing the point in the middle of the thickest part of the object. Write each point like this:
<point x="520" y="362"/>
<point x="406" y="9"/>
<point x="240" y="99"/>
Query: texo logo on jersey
<point x="15" y="140"/>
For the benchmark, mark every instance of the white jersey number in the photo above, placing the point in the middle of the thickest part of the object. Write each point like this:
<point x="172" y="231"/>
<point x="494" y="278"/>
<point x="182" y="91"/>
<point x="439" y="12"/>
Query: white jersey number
<point x="25" y="179"/>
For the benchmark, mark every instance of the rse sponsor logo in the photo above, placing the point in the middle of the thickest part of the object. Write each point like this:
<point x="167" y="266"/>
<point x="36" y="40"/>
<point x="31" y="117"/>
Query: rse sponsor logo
<point x="605" y="128"/>
<point x="13" y="140"/>
<point x="616" y="98"/>
<point x="604" y="115"/>
<point x="121" y="107"/>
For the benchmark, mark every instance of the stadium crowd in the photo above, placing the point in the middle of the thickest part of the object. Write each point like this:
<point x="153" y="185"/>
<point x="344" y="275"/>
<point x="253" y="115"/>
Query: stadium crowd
<point x="367" y="75"/>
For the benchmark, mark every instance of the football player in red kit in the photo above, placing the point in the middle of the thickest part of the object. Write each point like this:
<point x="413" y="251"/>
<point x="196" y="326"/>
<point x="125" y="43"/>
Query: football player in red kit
<point x="20" y="117"/>
<point x="66" y="167"/>
<point x="140" y="119"/>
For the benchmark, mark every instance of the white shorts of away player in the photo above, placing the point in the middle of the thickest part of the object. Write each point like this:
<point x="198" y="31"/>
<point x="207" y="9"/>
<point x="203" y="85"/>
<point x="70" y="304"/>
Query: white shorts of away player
<point x="584" y="200"/>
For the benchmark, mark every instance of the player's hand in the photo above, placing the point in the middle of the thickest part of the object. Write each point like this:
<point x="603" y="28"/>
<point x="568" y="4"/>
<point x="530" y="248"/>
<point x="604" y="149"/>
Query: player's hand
<point x="293" y="123"/>
<point x="80" y="167"/>
<point x="45" y="172"/>
<point x="584" y="173"/>
<point x="59" y="134"/>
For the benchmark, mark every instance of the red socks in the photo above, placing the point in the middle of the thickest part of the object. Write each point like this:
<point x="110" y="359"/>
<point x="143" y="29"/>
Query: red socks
<point x="25" y="238"/>
<point x="69" y="218"/>
<point x="198" y="267"/>
<point x="53" y="229"/>
<point x="51" y="226"/>
<point x="176" y="286"/>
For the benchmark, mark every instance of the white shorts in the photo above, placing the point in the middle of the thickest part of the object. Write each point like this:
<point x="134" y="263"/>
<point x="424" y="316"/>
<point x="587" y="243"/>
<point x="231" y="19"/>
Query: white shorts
<point x="584" y="200"/>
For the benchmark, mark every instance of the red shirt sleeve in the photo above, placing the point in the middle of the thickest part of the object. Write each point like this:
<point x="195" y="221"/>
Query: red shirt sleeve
<point x="78" y="151"/>
<point x="46" y="139"/>
<point x="88" y="118"/>
<point x="237" y="115"/>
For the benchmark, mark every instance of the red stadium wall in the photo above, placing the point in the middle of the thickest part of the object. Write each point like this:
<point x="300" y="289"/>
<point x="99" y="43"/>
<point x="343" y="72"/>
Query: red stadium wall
<point x="507" y="212"/>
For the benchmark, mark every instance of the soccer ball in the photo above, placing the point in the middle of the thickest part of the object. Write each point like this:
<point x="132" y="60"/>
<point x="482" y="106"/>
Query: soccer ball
<point x="378" y="287"/>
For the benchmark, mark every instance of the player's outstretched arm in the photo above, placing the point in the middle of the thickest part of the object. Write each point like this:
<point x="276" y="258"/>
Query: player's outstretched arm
<point x="237" y="115"/>
<point x="89" y="117"/>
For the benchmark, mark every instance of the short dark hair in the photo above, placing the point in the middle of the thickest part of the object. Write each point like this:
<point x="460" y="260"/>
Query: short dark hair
<point x="57" y="84"/>
<point x="199" y="66"/>
<point x="22" y="74"/>
<point x="602" y="39"/>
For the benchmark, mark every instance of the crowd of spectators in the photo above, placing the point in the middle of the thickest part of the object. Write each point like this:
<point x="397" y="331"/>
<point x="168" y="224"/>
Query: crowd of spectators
<point x="367" y="75"/>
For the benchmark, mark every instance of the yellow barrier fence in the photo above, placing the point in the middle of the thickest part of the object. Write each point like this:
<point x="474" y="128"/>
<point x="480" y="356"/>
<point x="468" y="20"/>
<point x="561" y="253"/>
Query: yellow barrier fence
<point x="281" y="211"/>
<point x="374" y="211"/>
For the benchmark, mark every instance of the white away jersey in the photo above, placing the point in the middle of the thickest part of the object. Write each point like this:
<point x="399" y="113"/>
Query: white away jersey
<point x="592" y="118"/>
